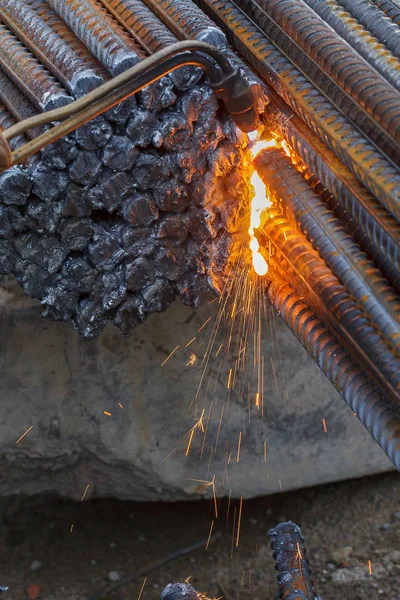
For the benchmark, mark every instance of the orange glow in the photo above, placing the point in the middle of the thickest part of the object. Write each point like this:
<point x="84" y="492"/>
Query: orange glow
<point x="259" y="203"/>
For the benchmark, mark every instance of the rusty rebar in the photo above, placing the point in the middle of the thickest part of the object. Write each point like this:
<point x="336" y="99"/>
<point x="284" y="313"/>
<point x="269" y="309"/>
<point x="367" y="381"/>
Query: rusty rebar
<point x="390" y="9"/>
<point x="150" y="33"/>
<point x="336" y="69"/>
<point x="51" y="17"/>
<point x="30" y="76"/>
<point x="350" y="265"/>
<point x="141" y="23"/>
<point x="103" y="40"/>
<point x="187" y="21"/>
<point x="376" y="53"/>
<point x="291" y="562"/>
<point x="353" y="226"/>
<point x="374" y="412"/>
<point x="17" y="104"/>
<point x="293" y="258"/>
<point x="378" y="225"/>
<point x="49" y="47"/>
<point x="375" y="20"/>
<point x="377" y="174"/>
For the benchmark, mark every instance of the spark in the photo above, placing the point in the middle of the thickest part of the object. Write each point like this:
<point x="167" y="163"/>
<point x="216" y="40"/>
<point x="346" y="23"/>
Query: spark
<point x="120" y="405"/>
<point x="169" y="355"/>
<point x="142" y="588"/>
<point x="299" y="556"/>
<point x="239" y="446"/>
<point x="204" y="324"/>
<point x="191" y="361"/>
<point x="190" y="342"/>
<point x="280" y="485"/>
<point x="24" y="434"/>
<point x="72" y="528"/>
<point x="189" y="442"/>
<point x="243" y="574"/>
<point x="229" y="379"/>
<point x="324" y="424"/>
<point x="370" y="567"/>
<point x="170" y="454"/>
<point x="219" y="350"/>
<point x="108" y="414"/>
<point x="265" y="451"/>
<point x="85" y="492"/>
<point x="209" y="535"/>
<point x="239" y="521"/>
<point x="187" y="580"/>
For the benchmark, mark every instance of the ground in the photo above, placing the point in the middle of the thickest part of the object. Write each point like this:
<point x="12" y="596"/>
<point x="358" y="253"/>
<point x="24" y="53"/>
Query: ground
<point x="110" y="539"/>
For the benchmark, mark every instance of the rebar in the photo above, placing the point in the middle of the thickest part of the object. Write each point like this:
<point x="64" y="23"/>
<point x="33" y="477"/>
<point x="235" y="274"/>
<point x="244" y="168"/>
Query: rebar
<point x="376" y="53"/>
<point x="186" y="21"/>
<point x="17" y="104"/>
<point x="98" y="36"/>
<point x="49" y="47"/>
<point x="31" y="77"/>
<point x="379" y="226"/>
<point x="337" y="70"/>
<point x="151" y="34"/>
<point x="67" y="35"/>
<point x="390" y="9"/>
<point x="295" y="259"/>
<point x="390" y="270"/>
<point x="377" y="174"/>
<point x="291" y="562"/>
<point x="375" y="20"/>
<point x="374" y="412"/>
<point x="351" y="266"/>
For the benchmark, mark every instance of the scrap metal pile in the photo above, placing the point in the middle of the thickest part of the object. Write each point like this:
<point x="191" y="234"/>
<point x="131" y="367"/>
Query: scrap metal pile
<point x="151" y="200"/>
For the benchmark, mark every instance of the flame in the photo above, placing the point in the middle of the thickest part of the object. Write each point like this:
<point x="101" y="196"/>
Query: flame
<point x="259" y="203"/>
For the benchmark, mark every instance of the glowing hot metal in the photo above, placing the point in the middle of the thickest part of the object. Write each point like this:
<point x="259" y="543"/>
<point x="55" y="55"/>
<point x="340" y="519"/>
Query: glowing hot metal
<point x="259" y="203"/>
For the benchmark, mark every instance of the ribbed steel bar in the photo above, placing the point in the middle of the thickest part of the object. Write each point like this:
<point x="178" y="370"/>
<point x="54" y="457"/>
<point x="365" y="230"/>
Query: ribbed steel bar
<point x="95" y="31"/>
<point x="17" y="104"/>
<point x="44" y="41"/>
<point x="376" y="53"/>
<point x="141" y="23"/>
<point x="382" y="261"/>
<point x="377" y="174"/>
<point x="51" y="17"/>
<point x="350" y="265"/>
<point x="150" y="33"/>
<point x="390" y="9"/>
<point x="375" y="20"/>
<point x="29" y="75"/>
<point x="186" y="21"/>
<point x="291" y="562"/>
<point x="294" y="258"/>
<point x="374" y="412"/>
<point x="336" y="69"/>
<point x="381" y="229"/>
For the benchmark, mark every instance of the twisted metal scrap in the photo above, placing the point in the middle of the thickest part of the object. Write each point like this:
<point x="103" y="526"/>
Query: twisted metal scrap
<point x="291" y="559"/>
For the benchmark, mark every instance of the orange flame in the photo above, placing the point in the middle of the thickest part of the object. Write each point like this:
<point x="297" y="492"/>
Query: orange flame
<point x="259" y="203"/>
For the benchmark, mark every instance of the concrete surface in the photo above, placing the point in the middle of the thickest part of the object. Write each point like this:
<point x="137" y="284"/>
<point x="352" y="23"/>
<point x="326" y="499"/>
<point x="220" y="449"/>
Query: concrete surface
<point x="61" y="385"/>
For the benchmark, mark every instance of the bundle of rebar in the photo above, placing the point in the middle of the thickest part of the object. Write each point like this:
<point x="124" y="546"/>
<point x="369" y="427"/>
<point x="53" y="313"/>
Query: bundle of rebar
<point x="138" y="206"/>
<point x="150" y="200"/>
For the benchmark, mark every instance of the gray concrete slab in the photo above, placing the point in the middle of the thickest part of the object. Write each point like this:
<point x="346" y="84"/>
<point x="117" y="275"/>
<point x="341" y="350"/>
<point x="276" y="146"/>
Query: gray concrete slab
<point x="61" y="384"/>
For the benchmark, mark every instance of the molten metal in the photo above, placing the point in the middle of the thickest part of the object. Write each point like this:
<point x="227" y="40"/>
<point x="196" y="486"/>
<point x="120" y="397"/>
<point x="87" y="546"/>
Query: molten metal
<point x="259" y="203"/>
